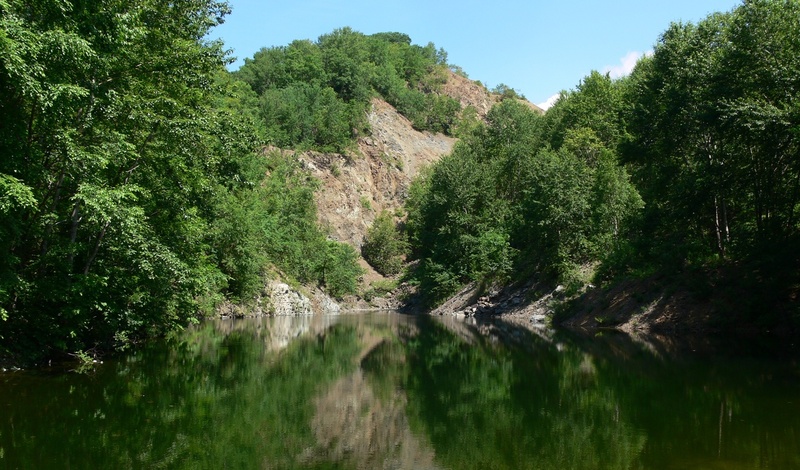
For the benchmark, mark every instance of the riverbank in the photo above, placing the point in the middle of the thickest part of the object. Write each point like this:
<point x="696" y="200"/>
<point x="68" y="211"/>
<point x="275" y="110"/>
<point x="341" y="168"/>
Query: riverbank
<point x="700" y="303"/>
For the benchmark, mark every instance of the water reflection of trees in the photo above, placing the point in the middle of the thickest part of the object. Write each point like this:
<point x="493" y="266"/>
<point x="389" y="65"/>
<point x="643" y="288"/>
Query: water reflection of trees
<point x="212" y="400"/>
<point x="404" y="392"/>
<point x="491" y="406"/>
<point x="608" y="402"/>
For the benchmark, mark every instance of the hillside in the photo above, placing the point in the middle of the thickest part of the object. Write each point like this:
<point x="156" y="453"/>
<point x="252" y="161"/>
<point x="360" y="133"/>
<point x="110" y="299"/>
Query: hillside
<point x="674" y="190"/>
<point x="355" y="189"/>
<point x="135" y="195"/>
<point x="361" y="115"/>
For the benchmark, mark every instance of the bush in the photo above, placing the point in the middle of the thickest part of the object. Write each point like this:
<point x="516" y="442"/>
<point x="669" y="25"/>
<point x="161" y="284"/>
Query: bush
<point x="379" y="289"/>
<point x="384" y="247"/>
<point x="340" y="270"/>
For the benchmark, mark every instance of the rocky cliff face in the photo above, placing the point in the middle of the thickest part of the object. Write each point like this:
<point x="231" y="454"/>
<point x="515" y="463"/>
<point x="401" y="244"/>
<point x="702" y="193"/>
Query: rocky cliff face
<point x="469" y="93"/>
<point x="355" y="189"/>
<point x="376" y="176"/>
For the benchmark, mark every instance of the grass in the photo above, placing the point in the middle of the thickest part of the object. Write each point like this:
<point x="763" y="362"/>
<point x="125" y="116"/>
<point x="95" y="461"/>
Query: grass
<point x="365" y="203"/>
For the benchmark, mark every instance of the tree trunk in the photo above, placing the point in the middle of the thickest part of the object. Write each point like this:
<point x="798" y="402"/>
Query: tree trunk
<point x="725" y="226"/>
<point x="73" y="232"/>
<point x="56" y="191"/>
<point x="96" y="248"/>
<point x="719" y="227"/>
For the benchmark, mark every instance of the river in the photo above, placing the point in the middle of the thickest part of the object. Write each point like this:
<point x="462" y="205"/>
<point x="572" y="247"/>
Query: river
<point x="385" y="390"/>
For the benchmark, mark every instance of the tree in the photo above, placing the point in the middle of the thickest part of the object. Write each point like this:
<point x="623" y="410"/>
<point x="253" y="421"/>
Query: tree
<point x="316" y="95"/>
<point x="595" y="104"/>
<point x="339" y="270"/>
<point x="384" y="246"/>
<point x="713" y="144"/>
<point x="308" y="116"/>
<point x="113" y="160"/>
<point x="506" y="92"/>
<point x="280" y="67"/>
<point x="524" y="193"/>
<point x="344" y="54"/>
<point x="758" y="80"/>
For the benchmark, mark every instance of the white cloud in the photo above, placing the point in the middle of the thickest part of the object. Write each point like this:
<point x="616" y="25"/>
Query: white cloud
<point x="625" y="67"/>
<point x="549" y="102"/>
<point x="626" y="64"/>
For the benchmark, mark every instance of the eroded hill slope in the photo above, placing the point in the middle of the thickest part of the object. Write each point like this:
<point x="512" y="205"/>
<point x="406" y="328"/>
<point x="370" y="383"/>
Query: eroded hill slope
<point x="355" y="189"/>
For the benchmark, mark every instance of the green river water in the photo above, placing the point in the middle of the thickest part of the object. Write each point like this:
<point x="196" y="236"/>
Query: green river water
<point x="385" y="390"/>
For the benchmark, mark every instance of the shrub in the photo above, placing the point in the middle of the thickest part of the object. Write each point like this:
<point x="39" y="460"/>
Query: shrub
<point x="384" y="247"/>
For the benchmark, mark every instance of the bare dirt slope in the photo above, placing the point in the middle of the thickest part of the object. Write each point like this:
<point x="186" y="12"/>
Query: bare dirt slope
<point x="469" y="93"/>
<point x="355" y="189"/>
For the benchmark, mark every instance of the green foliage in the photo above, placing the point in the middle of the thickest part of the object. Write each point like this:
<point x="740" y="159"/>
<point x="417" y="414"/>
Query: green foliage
<point x="186" y="396"/>
<point x="393" y="37"/>
<point x="308" y="116"/>
<point x="470" y="402"/>
<point x="316" y="94"/>
<point x="441" y="114"/>
<point x="365" y="202"/>
<point x="458" y="70"/>
<point x="280" y="67"/>
<point x="468" y="123"/>
<point x="131" y="196"/>
<point x="712" y="146"/>
<point x="14" y="194"/>
<point x="379" y="288"/>
<point x="509" y="199"/>
<point x="112" y="157"/>
<point x="673" y="168"/>
<point x="15" y="198"/>
<point x="384" y="246"/>
<point x="290" y="236"/>
<point x="506" y="92"/>
<point x="339" y="270"/>
<point x="512" y="388"/>
<point x="451" y="211"/>
<point x="596" y="104"/>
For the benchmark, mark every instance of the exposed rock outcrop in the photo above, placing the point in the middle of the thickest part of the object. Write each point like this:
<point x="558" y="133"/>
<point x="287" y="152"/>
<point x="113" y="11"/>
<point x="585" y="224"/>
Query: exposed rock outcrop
<point x="283" y="300"/>
<point x="355" y="189"/>
<point x="279" y="299"/>
<point x="376" y="176"/>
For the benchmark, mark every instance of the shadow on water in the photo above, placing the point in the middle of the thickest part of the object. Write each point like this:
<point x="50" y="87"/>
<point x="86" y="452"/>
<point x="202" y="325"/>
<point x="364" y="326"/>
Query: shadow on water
<point x="384" y="390"/>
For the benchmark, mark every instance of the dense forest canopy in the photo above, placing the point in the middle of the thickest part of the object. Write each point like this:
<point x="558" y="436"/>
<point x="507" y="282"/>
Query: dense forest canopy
<point x="525" y="194"/>
<point x="693" y="161"/>
<point x="316" y="94"/>
<point x="136" y="194"/>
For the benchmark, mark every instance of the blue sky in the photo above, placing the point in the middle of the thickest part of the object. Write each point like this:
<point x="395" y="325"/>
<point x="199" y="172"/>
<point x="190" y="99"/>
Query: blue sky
<point x="536" y="47"/>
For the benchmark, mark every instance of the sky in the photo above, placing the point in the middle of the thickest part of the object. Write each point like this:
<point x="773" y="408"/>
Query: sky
<point x="537" y="47"/>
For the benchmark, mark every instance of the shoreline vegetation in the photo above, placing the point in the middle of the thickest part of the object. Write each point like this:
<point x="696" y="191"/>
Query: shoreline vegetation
<point x="143" y="185"/>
